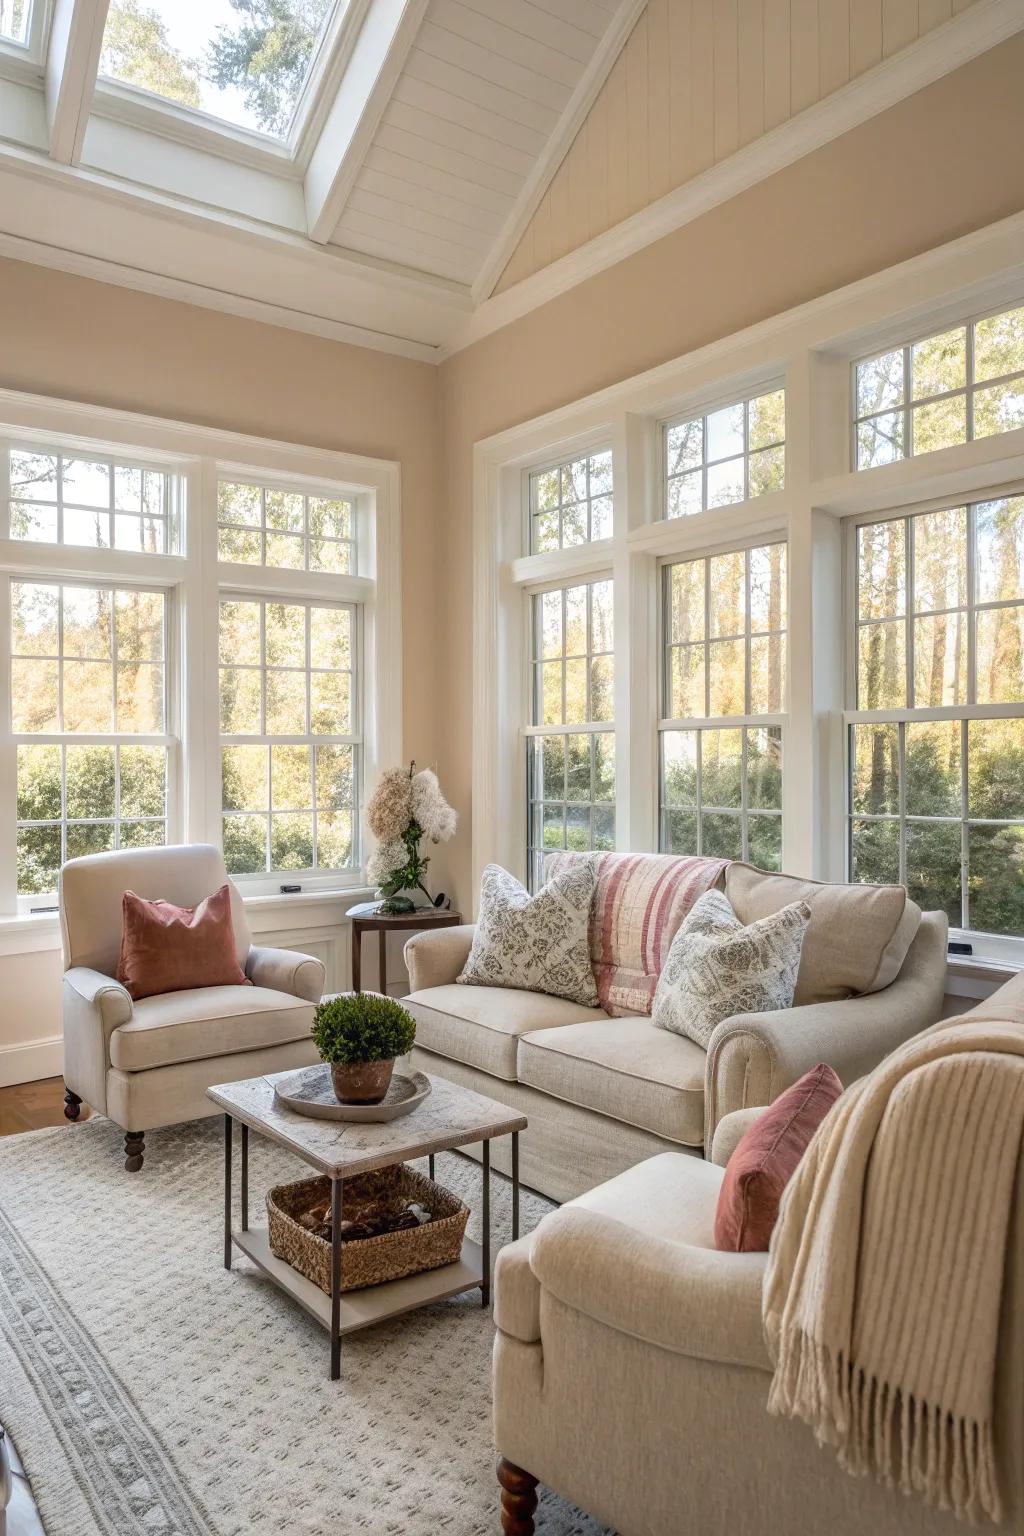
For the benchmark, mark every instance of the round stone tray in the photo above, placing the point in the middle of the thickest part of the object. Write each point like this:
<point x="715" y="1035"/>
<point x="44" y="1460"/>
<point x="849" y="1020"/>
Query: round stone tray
<point x="310" y="1092"/>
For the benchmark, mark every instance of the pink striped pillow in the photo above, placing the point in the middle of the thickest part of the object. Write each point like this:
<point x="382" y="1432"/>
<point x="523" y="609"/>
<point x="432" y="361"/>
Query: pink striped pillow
<point x="639" y="902"/>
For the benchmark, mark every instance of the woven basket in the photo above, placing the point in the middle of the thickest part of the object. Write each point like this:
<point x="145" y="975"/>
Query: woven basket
<point x="367" y="1260"/>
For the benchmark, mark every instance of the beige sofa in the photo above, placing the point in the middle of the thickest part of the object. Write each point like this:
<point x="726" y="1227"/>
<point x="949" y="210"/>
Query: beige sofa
<point x="604" y="1093"/>
<point x="149" y="1063"/>
<point x="631" y="1374"/>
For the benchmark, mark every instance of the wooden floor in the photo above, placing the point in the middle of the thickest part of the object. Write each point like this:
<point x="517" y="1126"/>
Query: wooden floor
<point x="30" y="1106"/>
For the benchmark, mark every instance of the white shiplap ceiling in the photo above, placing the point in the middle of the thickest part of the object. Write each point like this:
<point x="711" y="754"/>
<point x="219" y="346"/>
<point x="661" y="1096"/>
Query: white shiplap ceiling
<point x="434" y="131"/>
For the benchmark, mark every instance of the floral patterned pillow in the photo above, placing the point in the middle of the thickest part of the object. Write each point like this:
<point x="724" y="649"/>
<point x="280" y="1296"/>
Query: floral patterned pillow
<point x="537" y="943"/>
<point x="718" y="967"/>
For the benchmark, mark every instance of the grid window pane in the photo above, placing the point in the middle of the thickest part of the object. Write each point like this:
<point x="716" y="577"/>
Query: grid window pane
<point x="721" y="793"/>
<point x="288" y="671"/>
<point x="940" y="391"/>
<point x="571" y="773"/>
<point x="933" y="801"/>
<point x="95" y="503"/>
<point x="571" y="503"/>
<point x="261" y="525"/>
<point x="726" y="456"/>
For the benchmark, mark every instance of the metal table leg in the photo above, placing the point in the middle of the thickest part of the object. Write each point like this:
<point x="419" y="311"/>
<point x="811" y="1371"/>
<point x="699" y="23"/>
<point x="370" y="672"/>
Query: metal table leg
<point x="485" y="1284"/>
<point x="430" y="1164"/>
<point x="515" y="1185"/>
<point x="227" y="1191"/>
<point x="245" y="1178"/>
<point x="335" y="1279"/>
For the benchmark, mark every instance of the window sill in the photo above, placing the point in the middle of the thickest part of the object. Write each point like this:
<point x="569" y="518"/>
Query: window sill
<point x="971" y="968"/>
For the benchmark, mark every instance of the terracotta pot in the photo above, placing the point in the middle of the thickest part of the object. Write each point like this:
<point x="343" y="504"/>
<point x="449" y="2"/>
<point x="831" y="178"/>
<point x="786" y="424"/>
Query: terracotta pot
<point x="362" y="1082"/>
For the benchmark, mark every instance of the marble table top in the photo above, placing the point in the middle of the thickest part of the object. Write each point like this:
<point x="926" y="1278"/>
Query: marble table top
<point x="450" y="1116"/>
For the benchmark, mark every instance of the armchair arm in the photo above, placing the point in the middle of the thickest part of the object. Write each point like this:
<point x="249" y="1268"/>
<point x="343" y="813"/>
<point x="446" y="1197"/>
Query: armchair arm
<point x="730" y="1131"/>
<point x="94" y="1006"/>
<point x="435" y="957"/>
<point x="285" y="970"/>
<point x="692" y="1301"/>
<point x="753" y="1057"/>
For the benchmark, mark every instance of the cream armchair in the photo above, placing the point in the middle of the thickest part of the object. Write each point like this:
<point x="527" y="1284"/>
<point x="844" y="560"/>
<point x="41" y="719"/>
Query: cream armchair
<point x="149" y="1063"/>
<point x="631" y="1374"/>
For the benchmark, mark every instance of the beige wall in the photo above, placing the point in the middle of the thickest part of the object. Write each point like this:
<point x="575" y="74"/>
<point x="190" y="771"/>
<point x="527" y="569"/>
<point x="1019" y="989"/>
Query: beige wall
<point x="938" y="165"/>
<point x="696" y="81"/>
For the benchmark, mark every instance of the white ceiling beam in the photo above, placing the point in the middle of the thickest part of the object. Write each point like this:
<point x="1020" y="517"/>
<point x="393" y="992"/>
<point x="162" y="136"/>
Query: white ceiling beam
<point x="72" y="59"/>
<point x="377" y="60"/>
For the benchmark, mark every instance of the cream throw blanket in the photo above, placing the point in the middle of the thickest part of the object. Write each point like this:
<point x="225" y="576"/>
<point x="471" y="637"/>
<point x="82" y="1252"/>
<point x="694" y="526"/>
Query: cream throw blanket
<point x="884" y="1282"/>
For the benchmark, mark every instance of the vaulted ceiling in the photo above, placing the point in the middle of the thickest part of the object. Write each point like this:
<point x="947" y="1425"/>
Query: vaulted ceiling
<point x="417" y="144"/>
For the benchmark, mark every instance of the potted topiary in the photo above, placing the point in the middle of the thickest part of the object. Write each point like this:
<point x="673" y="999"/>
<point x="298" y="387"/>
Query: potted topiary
<point x="359" y="1034"/>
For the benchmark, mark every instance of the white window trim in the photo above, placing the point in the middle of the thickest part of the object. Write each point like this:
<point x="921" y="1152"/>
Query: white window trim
<point x="811" y="349"/>
<point x="193" y="580"/>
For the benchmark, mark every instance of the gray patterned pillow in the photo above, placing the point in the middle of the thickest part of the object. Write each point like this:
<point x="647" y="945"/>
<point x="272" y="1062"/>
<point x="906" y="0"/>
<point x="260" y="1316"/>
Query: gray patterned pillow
<point x="718" y="966"/>
<point x="537" y="942"/>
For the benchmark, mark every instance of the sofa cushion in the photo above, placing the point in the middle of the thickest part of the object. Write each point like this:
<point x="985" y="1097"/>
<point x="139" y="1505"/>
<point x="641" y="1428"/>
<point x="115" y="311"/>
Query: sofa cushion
<point x="625" y="1068"/>
<point x="207" y="1021"/>
<point x="640" y="900"/>
<point x="857" y="938"/>
<point x="480" y="1026"/>
<point x="766" y="1159"/>
<point x="165" y="948"/>
<point x="535" y="943"/>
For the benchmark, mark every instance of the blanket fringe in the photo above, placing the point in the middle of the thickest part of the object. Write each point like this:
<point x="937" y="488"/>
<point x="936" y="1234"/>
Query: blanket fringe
<point x="876" y="1429"/>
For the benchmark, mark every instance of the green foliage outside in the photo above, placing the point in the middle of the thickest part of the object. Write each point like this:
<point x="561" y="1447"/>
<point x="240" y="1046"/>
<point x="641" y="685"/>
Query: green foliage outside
<point x="136" y="50"/>
<point x="362" y="1026"/>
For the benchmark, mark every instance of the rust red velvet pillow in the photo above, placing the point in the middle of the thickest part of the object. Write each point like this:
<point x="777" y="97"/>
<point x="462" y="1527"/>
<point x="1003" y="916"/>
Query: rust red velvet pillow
<point x="766" y="1159"/>
<point x="169" y="949"/>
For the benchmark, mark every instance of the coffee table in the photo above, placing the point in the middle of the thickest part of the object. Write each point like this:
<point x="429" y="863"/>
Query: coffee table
<point x="450" y="1117"/>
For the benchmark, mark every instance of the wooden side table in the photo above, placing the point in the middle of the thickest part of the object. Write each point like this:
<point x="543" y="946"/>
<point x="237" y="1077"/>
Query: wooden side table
<point x="383" y="923"/>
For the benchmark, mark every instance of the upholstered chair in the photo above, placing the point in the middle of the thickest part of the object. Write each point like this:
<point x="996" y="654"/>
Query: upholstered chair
<point x="148" y="1064"/>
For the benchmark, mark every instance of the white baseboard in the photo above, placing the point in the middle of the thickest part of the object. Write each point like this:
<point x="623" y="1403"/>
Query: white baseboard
<point x="28" y="1063"/>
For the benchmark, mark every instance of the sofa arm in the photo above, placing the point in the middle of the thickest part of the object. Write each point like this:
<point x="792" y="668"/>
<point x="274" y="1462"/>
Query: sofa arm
<point x="436" y="957"/>
<point x="285" y="970"/>
<point x="730" y="1131"/>
<point x="753" y="1057"/>
<point x="692" y="1301"/>
<point x="94" y="1006"/>
<point x="517" y="1292"/>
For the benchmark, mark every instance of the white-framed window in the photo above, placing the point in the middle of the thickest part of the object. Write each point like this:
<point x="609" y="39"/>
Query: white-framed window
<point x="571" y="503"/>
<point x="571" y="736"/>
<point x="89" y="711"/>
<point x="936" y="734"/>
<point x="943" y="390"/>
<point x="285" y="528"/>
<point x="92" y="501"/>
<point x="119" y="725"/>
<point x="730" y="454"/>
<point x="723" y="691"/>
<point x="290" y="743"/>
<point x="14" y="20"/>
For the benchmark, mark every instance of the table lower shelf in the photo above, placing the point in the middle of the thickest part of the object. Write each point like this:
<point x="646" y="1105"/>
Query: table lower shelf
<point x="361" y="1309"/>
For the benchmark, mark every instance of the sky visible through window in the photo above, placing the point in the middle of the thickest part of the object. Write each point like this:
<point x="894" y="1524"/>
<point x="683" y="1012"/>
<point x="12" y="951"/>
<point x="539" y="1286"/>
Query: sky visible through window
<point x="14" y="19"/>
<point x="244" y="61"/>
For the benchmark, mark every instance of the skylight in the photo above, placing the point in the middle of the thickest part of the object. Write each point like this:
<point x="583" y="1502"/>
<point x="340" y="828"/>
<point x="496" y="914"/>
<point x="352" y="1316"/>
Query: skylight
<point x="245" y="62"/>
<point x="14" y="20"/>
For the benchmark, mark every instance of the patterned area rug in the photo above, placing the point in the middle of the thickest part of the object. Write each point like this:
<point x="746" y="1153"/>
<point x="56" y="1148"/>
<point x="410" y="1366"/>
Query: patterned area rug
<point x="151" y="1393"/>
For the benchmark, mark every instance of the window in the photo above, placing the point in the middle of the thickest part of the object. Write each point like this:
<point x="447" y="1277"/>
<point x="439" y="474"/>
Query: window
<point x="571" y="503"/>
<point x="14" y="20"/>
<point x="726" y="456"/>
<point x="724" y="689"/>
<point x="88" y="716"/>
<point x="571" y="745"/>
<point x="947" y="389"/>
<point x="936" y="742"/>
<point x="289" y="745"/>
<point x="246" y="65"/>
<point x="258" y="525"/>
<point x="58" y="498"/>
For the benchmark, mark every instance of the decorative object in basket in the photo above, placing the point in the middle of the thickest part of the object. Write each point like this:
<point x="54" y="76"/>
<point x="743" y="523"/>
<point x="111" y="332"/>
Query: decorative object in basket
<point x="359" y="1034"/>
<point x="310" y="1091"/>
<point x="406" y="807"/>
<point x="299" y="1217"/>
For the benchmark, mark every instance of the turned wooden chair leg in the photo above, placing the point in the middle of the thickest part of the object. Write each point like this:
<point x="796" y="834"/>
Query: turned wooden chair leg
<point x="134" y="1147"/>
<point x="518" y="1499"/>
<point x="72" y="1105"/>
